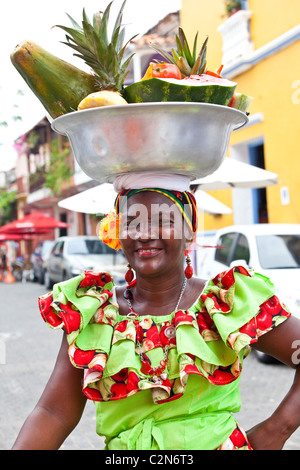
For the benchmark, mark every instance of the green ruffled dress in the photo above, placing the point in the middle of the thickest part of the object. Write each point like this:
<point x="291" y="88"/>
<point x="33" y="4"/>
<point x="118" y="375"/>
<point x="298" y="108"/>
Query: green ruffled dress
<point x="189" y="406"/>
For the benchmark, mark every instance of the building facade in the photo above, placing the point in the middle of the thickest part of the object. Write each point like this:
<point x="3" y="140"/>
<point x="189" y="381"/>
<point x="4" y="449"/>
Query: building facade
<point x="259" y="46"/>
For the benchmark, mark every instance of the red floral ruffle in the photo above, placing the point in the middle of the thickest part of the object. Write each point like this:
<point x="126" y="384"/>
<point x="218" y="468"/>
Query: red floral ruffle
<point x="237" y="440"/>
<point x="112" y="367"/>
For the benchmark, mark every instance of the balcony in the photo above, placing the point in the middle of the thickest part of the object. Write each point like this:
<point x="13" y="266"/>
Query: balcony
<point x="237" y="42"/>
<point x="37" y="180"/>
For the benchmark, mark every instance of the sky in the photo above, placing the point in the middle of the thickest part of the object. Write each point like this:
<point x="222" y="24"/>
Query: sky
<point x="34" y="20"/>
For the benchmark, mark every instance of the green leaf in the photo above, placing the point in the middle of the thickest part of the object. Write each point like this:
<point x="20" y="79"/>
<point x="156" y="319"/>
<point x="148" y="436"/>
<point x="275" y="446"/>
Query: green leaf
<point x="74" y="23"/>
<point x="175" y="56"/>
<point x="85" y="18"/>
<point x="97" y="17"/>
<point x="179" y="46"/>
<point x="184" y="66"/>
<point x="103" y="25"/>
<point x="184" y="47"/>
<point x="160" y="51"/>
<point x="91" y="44"/>
<point x="200" y="64"/>
<point x="126" y="64"/>
<point x="77" y="36"/>
<point x="119" y="17"/>
<point x="195" y="47"/>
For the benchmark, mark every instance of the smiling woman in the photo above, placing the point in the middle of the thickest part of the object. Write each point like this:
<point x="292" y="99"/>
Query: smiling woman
<point x="161" y="356"/>
<point x="148" y="348"/>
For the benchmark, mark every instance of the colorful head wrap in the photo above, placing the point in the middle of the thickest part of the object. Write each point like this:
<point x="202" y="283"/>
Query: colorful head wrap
<point x="184" y="200"/>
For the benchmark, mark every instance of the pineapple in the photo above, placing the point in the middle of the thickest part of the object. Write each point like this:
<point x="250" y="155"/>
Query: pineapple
<point x="187" y="61"/>
<point x="105" y="57"/>
<point x="101" y="98"/>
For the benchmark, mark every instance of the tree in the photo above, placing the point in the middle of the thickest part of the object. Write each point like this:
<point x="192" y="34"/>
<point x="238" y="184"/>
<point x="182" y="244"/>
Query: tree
<point x="7" y="206"/>
<point x="59" y="171"/>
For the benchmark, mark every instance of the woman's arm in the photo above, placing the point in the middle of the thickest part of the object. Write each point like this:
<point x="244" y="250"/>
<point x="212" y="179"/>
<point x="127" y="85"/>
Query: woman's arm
<point x="59" y="409"/>
<point x="280" y="343"/>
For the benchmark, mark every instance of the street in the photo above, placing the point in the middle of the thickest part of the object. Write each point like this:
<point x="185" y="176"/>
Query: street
<point x="28" y="351"/>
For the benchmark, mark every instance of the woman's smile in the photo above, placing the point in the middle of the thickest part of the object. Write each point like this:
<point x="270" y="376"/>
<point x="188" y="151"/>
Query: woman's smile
<point x="148" y="252"/>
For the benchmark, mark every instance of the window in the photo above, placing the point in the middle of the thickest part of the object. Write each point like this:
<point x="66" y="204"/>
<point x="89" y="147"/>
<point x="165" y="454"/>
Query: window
<point x="278" y="251"/>
<point x="241" y="250"/>
<point x="223" y="254"/>
<point x="58" y="249"/>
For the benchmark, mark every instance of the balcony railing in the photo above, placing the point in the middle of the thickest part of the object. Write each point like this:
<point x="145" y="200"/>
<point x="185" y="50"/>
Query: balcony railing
<point x="237" y="43"/>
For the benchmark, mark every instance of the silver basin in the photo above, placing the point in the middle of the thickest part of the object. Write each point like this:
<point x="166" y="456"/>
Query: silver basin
<point x="178" y="138"/>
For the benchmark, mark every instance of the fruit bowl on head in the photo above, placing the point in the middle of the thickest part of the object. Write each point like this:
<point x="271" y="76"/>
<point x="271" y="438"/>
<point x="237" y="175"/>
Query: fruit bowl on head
<point x="175" y="137"/>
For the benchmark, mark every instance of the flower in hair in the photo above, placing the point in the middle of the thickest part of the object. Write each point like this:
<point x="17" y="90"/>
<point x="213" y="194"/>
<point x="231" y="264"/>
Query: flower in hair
<point x="109" y="230"/>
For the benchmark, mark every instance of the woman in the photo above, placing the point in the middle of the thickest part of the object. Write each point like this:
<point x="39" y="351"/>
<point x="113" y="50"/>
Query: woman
<point x="162" y="356"/>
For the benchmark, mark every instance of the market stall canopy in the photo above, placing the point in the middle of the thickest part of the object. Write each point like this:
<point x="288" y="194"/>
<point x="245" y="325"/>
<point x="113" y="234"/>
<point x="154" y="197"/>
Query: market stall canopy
<point x="235" y="174"/>
<point x="97" y="200"/>
<point x="100" y="200"/>
<point x="36" y="222"/>
<point x="209" y="204"/>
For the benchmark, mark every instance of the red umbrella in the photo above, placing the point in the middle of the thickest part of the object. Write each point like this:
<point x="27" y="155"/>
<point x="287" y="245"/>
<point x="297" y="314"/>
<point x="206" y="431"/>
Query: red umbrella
<point x="36" y="222"/>
<point x="15" y="236"/>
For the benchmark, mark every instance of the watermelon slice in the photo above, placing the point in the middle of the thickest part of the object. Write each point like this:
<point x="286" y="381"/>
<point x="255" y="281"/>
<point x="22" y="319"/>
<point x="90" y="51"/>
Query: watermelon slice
<point x="196" y="88"/>
<point x="241" y="101"/>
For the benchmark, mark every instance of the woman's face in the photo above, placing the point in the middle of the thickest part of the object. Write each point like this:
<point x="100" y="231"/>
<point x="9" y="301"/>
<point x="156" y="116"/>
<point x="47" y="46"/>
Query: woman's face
<point x="152" y="234"/>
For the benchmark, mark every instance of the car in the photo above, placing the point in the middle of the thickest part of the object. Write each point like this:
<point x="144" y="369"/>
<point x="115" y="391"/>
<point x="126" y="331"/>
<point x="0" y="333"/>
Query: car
<point x="270" y="249"/>
<point x="71" y="256"/>
<point x="38" y="259"/>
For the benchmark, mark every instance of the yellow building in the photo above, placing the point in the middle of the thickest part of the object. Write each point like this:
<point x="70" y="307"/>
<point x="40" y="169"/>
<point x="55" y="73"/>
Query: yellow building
<point x="260" y="49"/>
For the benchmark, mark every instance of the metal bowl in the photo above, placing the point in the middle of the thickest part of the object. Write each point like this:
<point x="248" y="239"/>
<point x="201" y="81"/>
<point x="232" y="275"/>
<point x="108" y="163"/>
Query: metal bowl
<point x="178" y="138"/>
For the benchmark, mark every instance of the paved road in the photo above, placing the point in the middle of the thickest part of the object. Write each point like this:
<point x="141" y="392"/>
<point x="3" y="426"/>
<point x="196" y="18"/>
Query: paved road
<point x="31" y="349"/>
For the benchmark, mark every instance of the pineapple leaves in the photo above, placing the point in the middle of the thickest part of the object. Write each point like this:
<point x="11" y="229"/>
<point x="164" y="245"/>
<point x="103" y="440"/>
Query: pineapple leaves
<point x="200" y="64"/>
<point x="165" y="54"/>
<point x="104" y="56"/>
<point x="75" y="35"/>
<point x="183" y="47"/>
<point x="102" y="23"/>
<point x="195" y="46"/>
<point x="186" y="61"/>
<point x="119" y="17"/>
<point x="74" y="23"/>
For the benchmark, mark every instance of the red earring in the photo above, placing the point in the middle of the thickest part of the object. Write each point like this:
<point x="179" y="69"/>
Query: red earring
<point x="188" y="270"/>
<point x="129" y="274"/>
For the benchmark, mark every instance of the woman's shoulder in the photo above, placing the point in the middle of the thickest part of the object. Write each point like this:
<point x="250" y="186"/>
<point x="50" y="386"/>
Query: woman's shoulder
<point x="72" y="303"/>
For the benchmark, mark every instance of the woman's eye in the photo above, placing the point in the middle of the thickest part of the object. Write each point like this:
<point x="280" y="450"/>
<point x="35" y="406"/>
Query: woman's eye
<point x="166" y="223"/>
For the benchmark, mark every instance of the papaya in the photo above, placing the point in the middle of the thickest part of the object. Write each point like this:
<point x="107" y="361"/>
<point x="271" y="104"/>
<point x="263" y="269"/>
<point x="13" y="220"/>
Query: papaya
<point x="58" y="85"/>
